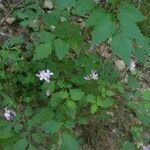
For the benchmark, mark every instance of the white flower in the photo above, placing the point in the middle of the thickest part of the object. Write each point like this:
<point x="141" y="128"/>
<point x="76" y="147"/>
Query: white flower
<point x="9" y="114"/>
<point x="146" y="147"/>
<point x="132" y="66"/>
<point x="45" y="75"/>
<point x="92" y="76"/>
<point x="48" y="92"/>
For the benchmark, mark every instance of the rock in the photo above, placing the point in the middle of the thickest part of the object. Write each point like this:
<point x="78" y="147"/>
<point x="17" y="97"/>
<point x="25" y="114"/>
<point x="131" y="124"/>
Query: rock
<point x="48" y="4"/>
<point x="10" y="20"/>
<point x="120" y="65"/>
<point x="52" y="27"/>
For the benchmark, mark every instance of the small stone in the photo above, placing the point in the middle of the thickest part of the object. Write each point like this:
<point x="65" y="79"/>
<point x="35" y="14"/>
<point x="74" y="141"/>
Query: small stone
<point x="10" y="20"/>
<point x="52" y="27"/>
<point x="48" y="4"/>
<point x="120" y="65"/>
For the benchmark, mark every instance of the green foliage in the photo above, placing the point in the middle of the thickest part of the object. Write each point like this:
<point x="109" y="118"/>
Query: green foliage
<point x="69" y="142"/>
<point x="128" y="146"/>
<point x="42" y="51"/>
<point x="63" y="40"/>
<point x="61" y="48"/>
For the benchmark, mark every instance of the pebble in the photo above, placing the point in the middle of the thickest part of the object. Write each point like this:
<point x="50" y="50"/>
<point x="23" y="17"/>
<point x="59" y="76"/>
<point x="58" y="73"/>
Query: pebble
<point x="48" y="4"/>
<point x="120" y="65"/>
<point x="10" y="20"/>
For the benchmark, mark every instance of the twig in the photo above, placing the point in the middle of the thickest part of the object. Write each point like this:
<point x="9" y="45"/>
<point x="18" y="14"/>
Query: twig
<point x="12" y="9"/>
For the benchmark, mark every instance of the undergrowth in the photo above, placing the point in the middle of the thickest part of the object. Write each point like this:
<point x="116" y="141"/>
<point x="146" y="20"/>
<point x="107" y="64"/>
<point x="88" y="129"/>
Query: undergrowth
<point x="53" y="79"/>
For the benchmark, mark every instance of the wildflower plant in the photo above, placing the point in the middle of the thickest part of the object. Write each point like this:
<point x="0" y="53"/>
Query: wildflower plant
<point x="76" y="82"/>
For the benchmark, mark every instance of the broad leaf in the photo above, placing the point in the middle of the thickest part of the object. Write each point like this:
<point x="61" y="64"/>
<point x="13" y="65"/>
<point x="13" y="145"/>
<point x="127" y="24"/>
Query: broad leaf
<point x="128" y="13"/>
<point x="69" y="142"/>
<point x="83" y="7"/>
<point x="76" y="94"/>
<point x="102" y="31"/>
<point x="51" y="126"/>
<point x="65" y="3"/>
<point x="96" y="17"/>
<point x="21" y="144"/>
<point x="61" y="48"/>
<point x="94" y="108"/>
<point x="122" y="46"/>
<point x="42" y="51"/>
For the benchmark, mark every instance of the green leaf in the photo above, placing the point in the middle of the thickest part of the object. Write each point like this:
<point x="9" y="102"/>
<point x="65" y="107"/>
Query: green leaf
<point x="122" y="46"/>
<point x="133" y="83"/>
<point x="83" y="7"/>
<point x="69" y="33"/>
<point x="45" y="36"/>
<point x="5" y="133"/>
<point x="31" y="147"/>
<point x="140" y="53"/>
<point x="102" y="31"/>
<point x="21" y="144"/>
<point x="76" y="94"/>
<point x="13" y="41"/>
<point x="69" y="142"/>
<point x="146" y="95"/>
<point x="71" y="104"/>
<point x="96" y="17"/>
<point x="94" y="108"/>
<point x="58" y="97"/>
<point x="42" y="51"/>
<point x="106" y="103"/>
<point x="61" y="48"/>
<point x="90" y="98"/>
<point x="37" y="138"/>
<point x="65" y="3"/>
<point x="128" y="13"/>
<point x="128" y="146"/>
<point x="42" y="115"/>
<point x="51" y="126"/>
<point x="52" y="18"/>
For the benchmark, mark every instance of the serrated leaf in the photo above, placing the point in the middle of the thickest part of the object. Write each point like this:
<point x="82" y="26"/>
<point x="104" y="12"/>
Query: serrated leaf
<point x="58" y="97"/>
<point x="42" y="115"/>
<point x="122" y="46"/>
<point x="72" y="36"/>
<point x="51" y="126"/>
<point x="13" y="41"/>
<point x="96" y="17"/>
<point x="42" y="51"/>
<point x="45" y="36"/>
<point x="106" y="103"/>
<point x="65" y="3"/>
<point x="140" y="53"/>
<point x="102" y="31"/>
<point x="94" y="108"/>
<point x="90" y="98"/>
<point x="61" y="48"/>
<point x="52" y="18"/>
<point x="76" y="94"/>
<point x="83" y="7"/>
<point x="128" y="13"/>
<point x="21" y="144"/>
<point x="132" y="31"/>
<point x="71" y="104"/>
<point x="69" y="142"/>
